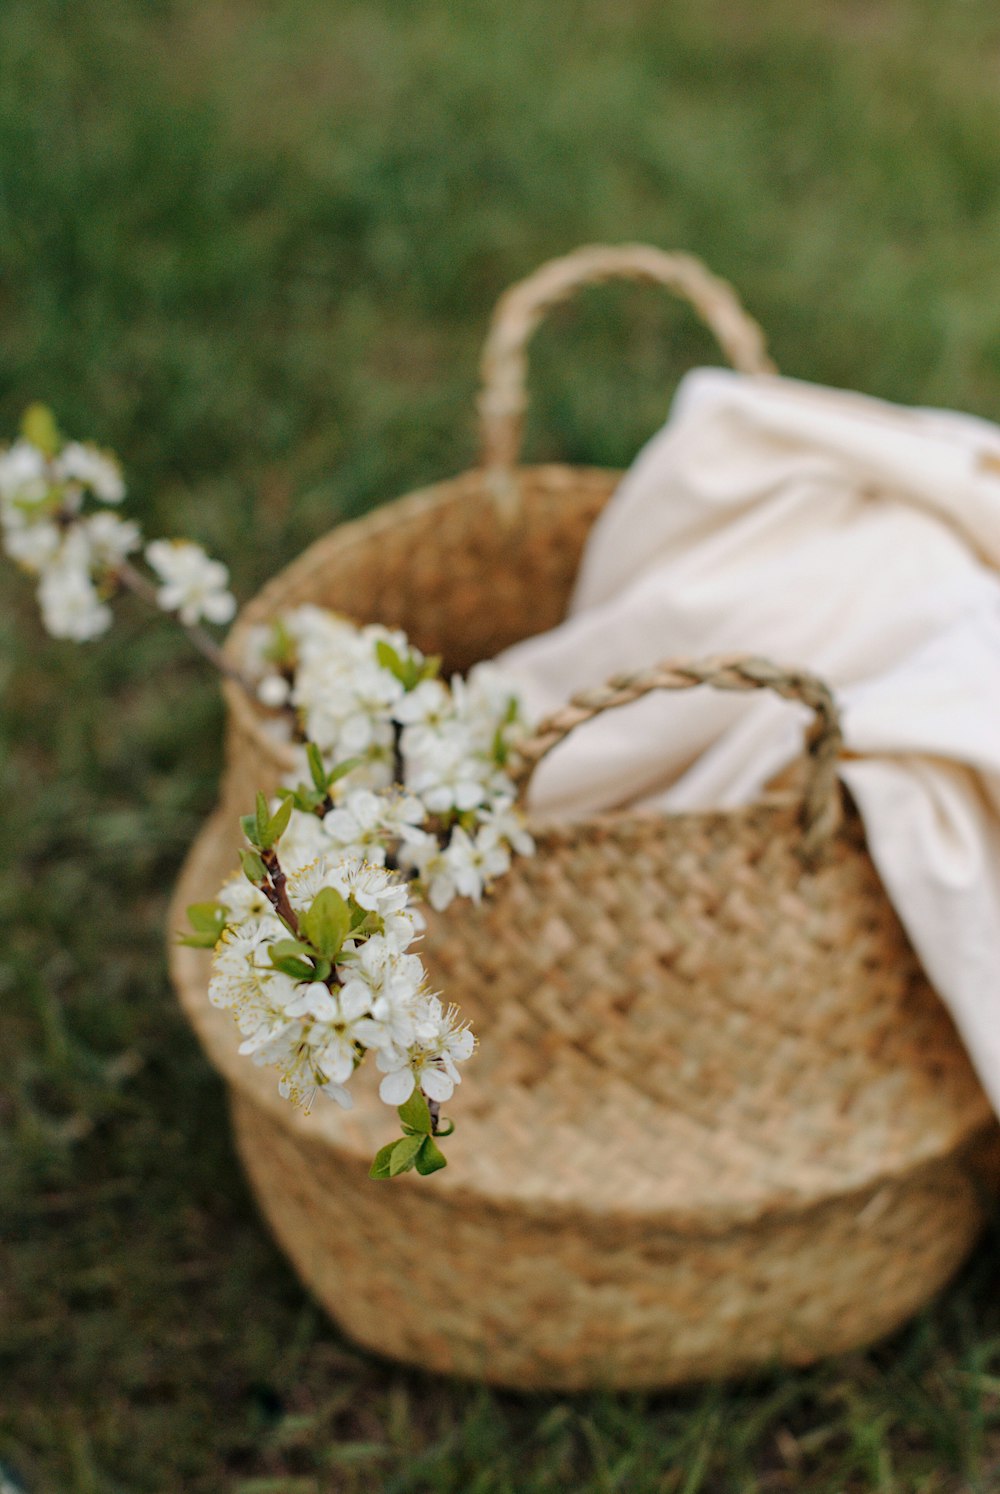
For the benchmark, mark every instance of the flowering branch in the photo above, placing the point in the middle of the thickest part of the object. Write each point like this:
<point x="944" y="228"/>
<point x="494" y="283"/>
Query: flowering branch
<point x="312" y="956"/>
<point x="134" y="581"/>
<point x="49" y="525"/>
<point x="402" y="794"/>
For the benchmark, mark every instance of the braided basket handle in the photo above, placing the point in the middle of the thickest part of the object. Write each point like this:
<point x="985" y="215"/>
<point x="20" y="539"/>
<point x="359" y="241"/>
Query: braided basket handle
<point x="503" y="398"/>
<point x="821" y="809"/>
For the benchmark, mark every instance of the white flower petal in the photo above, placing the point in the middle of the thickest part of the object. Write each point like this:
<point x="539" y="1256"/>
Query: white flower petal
<point x="397" y="1087"/>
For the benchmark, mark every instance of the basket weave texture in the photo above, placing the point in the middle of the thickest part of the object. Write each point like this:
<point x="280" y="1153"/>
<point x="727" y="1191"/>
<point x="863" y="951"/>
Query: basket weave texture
<point x="718" y="1117"/>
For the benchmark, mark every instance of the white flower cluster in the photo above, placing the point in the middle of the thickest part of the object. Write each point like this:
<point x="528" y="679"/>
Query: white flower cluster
<point x="428" y="787"/>
<point x="42" y="495"/>
<point x="79" y="555"/>
<point x="404" y="793"/>
<point x="314" y="998"/>
<point x="193" y="585"/>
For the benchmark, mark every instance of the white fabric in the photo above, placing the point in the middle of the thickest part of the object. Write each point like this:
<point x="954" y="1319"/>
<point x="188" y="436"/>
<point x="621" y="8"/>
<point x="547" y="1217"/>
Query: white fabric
<point x="834" y="532"/>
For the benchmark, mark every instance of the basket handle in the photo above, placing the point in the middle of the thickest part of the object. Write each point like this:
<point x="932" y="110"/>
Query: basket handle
<point x="821" y="808"/>
<point x="503" y="399"/>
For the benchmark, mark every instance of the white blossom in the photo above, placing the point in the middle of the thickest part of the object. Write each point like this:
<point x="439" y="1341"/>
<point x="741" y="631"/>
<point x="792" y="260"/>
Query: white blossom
<point x="70" y="605"/>
<point x="273" y="691"/>
<point x="34" y="546"/>
<point x="94" y="469"/>
<point x="430" y="1063"/>
<point x="24" y="476"/>
<point x="109" y="538"/>
<point x="194" y="586"/>
<point x="474" y="863"/>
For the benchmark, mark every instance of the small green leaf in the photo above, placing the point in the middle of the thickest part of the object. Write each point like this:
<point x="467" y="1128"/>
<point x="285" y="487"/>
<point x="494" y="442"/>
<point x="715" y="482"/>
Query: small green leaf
<point x="415" y="1114"/>
<point x="281" y="647"/>
<point x="431" y="667"/>
<point x="198" y="941"/>
<point x="316" y="767"/>
<point x="296" y="968"/>
<point x="291" y="948"/>
<point x="263" y="823"/>
<point x="248" y="824"/>
<point x="279" y="821"/>
<point x="206" y="918"/>
<point x="430" y="1157"/>
<point x="342" y="769"/>
<point x="307" y="799"/>
<point x="38" y="425"/>
<point x="380" y="1166"/>
<point x="253" y="868"/>
<point x="407" y="670"/>
<point x="327" y="922"/>
<point x="389" y="659"/>
<point x="442" y="1122"/>
<point x="404" y="1154"/>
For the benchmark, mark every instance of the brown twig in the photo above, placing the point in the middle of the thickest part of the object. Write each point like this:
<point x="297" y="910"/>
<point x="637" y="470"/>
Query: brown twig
<point x="134" y="581"/>
<point x="276" y="891"/>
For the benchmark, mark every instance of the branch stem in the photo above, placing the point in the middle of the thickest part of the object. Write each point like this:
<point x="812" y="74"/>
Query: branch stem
<point x="134" y="581"/>
<point x="277" y="892"/>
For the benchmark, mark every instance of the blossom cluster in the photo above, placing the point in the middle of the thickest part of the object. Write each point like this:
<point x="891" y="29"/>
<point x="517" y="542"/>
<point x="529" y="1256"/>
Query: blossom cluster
<point x="58" y="522"/>
<point x="401" y="793"/>
<point x="423" y="808"/>
<point x="312" y="955"/>
<point x="426" y="786"/>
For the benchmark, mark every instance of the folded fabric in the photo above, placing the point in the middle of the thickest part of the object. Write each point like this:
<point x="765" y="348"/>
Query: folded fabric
<point x="828" y="531"/>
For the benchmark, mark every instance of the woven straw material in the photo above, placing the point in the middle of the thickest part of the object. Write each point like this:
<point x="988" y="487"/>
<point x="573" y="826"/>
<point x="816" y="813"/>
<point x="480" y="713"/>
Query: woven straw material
<point x="718" y="1117"/>
<point x="685" y="1147"/>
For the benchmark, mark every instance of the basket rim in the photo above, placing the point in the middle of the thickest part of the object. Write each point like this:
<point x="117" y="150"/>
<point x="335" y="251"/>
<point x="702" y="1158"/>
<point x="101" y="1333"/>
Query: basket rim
<point x="468" y="486"/>
<point x="472" y="485"/>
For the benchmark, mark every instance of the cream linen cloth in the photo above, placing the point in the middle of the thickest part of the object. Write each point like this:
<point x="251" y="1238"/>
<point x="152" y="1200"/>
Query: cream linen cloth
<point x="841" y="534"/>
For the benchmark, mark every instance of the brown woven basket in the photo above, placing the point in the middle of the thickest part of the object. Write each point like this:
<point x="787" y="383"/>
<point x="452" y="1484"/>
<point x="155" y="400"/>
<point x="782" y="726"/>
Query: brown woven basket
<point x="718" y="1118"/>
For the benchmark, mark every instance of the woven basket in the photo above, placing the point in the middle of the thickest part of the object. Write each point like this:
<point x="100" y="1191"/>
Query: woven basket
<point x="718" y="1118"/>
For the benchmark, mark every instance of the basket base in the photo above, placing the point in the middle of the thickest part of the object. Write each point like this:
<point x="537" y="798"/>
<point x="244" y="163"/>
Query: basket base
<point x="492" y="1295"/>
<point x="522" y="1290"/>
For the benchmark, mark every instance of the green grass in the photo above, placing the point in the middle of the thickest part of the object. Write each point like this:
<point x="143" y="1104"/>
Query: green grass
<point x="253" y="244"/>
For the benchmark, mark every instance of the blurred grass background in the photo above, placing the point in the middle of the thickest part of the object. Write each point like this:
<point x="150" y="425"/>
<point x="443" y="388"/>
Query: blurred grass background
<point x="253" y="245"/>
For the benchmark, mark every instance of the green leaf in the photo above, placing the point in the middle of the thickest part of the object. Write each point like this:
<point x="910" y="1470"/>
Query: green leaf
<point x="404" y="1154"/>
<point x="415" y="1114"/>
<point x="342" y="769"/>
<point x="431" y="667"/>
<point x="316" y="768"/>
<point x="279" y="821"/>
<point x="442" y="1122"/>
<point x="389" y="659"/>
<point x="380" y="1166"/>
<point x="198" y="941"/>
<point x="286" y="948"/>
<point x="408" y="671"/>
<point x="281" y="646"/>
<point x="306" y="799"/>
<point x="263" y="823"/>
<point x="38" y="425"/>
<point x="248" y="824"/>
<point x="430" y="1157"/>
<point x="327" y="922"/>
<point x="296" y="968"/>
<point x="207" y="918"/>
<point x="253" y="868"/>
